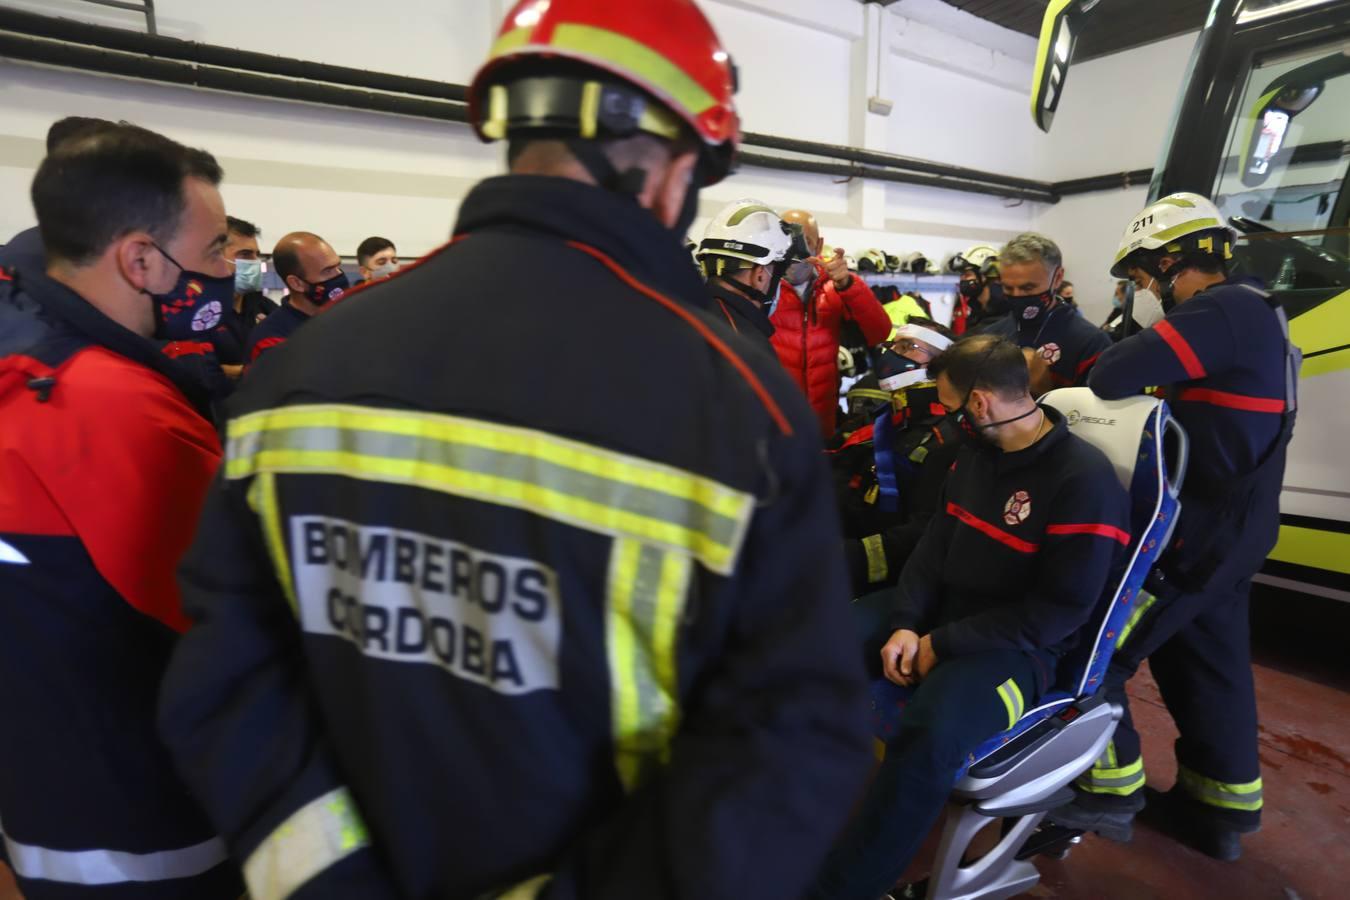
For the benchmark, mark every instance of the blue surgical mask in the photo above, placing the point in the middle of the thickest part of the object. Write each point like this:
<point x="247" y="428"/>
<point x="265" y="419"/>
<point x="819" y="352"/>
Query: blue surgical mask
<point x="247" y="275"/>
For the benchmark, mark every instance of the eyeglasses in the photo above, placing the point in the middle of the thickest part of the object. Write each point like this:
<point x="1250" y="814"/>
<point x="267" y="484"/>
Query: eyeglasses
<point x="909" y="345"/>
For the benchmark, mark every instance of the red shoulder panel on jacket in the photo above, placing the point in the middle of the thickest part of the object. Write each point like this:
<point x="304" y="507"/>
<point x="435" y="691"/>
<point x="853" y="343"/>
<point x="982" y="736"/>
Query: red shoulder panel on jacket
<point x="125" y="461"/>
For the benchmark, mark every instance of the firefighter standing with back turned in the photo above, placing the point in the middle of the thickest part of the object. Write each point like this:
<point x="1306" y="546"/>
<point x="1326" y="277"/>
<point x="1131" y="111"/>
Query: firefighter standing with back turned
<point x="573" y="631"/>
<point x="1231" y="375"/>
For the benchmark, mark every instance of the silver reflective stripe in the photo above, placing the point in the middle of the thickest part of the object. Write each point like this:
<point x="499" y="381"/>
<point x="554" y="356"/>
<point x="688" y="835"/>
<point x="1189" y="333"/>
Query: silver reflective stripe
<point x="316" y="837"/>
<point x="112" y="866"/>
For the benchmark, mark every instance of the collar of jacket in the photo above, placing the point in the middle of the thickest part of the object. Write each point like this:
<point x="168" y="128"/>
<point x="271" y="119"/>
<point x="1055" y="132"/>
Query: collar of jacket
<point x="1020" y="459"/>
<point x="571" y="210"/>
<point x="62" y="304"/>
<point x="749" y="310"/>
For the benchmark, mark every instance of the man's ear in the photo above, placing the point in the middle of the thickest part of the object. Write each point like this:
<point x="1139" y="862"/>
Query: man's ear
<point x="295" y="284"/>
<point x="1057" y="279"/>
<point x="134" y="253"/>
<point x="666" y="187"/>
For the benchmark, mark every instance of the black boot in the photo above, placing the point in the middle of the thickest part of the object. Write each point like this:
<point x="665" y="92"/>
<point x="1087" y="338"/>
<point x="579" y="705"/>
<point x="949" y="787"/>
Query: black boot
<point x="1109" y="815"/>
<point x="1198" y="826"/>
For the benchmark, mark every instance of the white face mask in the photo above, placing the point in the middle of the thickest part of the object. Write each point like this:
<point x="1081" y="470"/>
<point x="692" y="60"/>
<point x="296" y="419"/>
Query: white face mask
<point x="383" y="271"/>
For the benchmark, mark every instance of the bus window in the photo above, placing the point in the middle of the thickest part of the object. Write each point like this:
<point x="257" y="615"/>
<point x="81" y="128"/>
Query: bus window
<point x="1283" y="182"/>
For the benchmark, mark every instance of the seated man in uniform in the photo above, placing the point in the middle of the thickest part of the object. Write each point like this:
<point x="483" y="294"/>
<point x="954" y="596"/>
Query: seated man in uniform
<point x="889" y="468"/>
<point x="1045" y="517"/>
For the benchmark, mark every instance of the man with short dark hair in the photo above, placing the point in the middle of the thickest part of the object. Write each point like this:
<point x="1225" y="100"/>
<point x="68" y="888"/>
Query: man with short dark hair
<point x="1060" y="345"/>
<point x="24" y="250"/>
<point x="1045" y="515"/>
<point x="250" y="306"/>
<point x="105" y="456"/>
<point x="312" y="273"/>
<point x="377" y="258"/>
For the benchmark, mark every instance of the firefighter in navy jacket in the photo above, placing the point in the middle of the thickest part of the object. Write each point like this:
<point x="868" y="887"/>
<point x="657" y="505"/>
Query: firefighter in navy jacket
<point x="1061" y="346"/>
<point x="1230" y="374"/>
<point x="999" y="588"/>
<point x="106" y="453"/>
<point x="554" y="632"/>
<point x="745" y="250"/>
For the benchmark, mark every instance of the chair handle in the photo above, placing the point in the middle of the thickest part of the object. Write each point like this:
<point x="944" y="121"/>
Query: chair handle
<point x="1174" y="475"/>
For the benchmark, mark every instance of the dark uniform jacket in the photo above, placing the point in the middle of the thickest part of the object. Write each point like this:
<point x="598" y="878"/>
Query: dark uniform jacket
<point x="232" y="338"/>
<point x="742" y="316"/>
<point x="1062" y="337"/>
<point x="1020" y="554"/>
<point x="24" y="251"/>
<point x="924" y="443"/>
<point x="582" y="624"/>
<point x="105" y="457"/>
<point x="274" y="330"/>
<point x="1230" y="377"/>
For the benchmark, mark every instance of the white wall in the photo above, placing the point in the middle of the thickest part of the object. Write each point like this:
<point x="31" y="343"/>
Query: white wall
<point x="348" y="174"/>
<point x="1113" y="117"/>
<point x="959" y="85"/>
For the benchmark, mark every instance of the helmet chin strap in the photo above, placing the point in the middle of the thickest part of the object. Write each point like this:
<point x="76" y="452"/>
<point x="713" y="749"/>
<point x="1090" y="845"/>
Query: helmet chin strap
<point x="629" y="182"/>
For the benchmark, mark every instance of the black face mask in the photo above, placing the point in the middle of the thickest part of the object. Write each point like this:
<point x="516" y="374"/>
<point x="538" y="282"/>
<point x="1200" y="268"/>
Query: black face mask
<point x="970" y="289"/>
<point x="193" y="306"/>
<point x="998" y="301"/>
<point x="1030" y="306"/>
<point x="321" y="292"/>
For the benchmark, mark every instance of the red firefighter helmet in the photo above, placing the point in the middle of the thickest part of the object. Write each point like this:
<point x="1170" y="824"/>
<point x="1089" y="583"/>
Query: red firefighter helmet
<point x="541" y="74"/>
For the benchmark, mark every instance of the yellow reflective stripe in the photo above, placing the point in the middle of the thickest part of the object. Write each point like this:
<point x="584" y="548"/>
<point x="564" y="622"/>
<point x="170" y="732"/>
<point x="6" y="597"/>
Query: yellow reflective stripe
<point x="1324" y="327"/>
<point x="624" y="53"/>
<point x="1143" y="603"/>
<point x="876" y="558"/>
<point x="516" y="37"/>
<point x="1011" y="696"/>
<point x="572" y="482"/>
<point x="868" y="394"/>
<point x="744" y="212"/>
<point x="1311" y="547"/>
<point x="316" y="837"/>
<point x="646" y="593"/>
<point x="1246" y="796"/>
<point x="1110" y="755"/>
<point x="1179" y="202"/>
<point x="1044" y="47"/>
<point x="528" y="890"/>
<point x="262" y="499"/>
<point x="1184" y="229"/>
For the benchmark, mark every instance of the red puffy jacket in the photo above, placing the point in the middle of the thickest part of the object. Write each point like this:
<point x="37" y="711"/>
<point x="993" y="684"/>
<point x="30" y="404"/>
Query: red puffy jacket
<point x="806" y="339"/>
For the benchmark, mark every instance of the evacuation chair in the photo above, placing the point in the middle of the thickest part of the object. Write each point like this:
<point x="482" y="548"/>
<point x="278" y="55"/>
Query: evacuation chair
<point x="1021" y="774"/>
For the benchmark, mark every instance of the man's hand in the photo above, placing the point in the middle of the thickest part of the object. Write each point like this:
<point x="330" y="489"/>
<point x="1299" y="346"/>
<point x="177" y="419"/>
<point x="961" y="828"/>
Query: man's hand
<point x="927" y="658"/>
<point x="836" y="268"/>
<point x="897" y="658"/>
<point x="1039" y="369"/>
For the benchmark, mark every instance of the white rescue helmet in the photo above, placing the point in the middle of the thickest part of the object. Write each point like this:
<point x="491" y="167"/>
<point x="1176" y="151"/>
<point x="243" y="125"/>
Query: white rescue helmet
<point x="976" y="257"/>
<point x="743" y="234"/>
<point x="1180" y="223"/>
<point x="919" y="263"/>
<point x="872" y="261"/>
